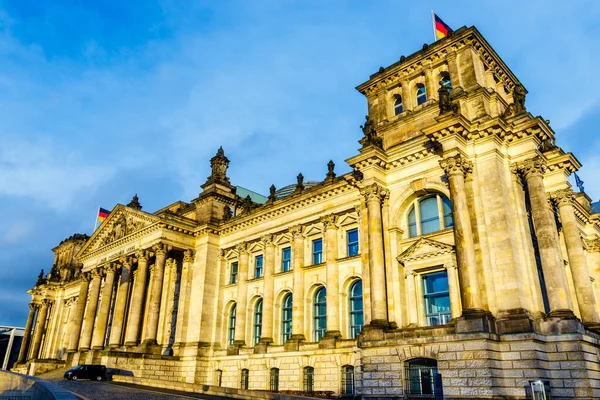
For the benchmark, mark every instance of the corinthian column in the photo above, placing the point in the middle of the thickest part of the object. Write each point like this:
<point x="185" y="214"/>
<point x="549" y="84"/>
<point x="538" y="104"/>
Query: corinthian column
<point x="332" y="278"/>
<point x="581" y="275"/>
<point x="268" y="292"/>
<point x="98" y="337"/>
<point x="76" y="318"/>
<point x="185" y="288"/>
<point x="90" y="315"/>
<point x="137" y="298"/>
<point x="39" y="329"/>
<point x="156" y="292"/>
<point x="373" y="195"/>
<point x="545" y="230"/>
<point x="456" y="167"/>
<point x="27" y="334"/>
<point x="242" y="296"/>
<point x="298" y="299"/>
<point x="118" y="321"/>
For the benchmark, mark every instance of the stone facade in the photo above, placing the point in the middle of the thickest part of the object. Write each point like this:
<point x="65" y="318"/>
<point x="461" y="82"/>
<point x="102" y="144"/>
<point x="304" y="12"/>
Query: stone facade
<point x="454" y="181"/>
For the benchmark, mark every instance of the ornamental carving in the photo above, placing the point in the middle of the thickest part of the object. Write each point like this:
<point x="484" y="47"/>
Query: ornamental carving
<point x="32" y="306"/>
<point x="188" y="255"/>
<point x="267" y="240"/>
<point x="533" y="166"/>
<point x="296" y="231"/>
<point x="592" y="245"/>
<point x="122" y="227"/>
<point x="161" y="248"/>
<point x="143" y="255"/>
<point x="242" y="248"/>
<point x="329" y="221"/>
<point x="373" y="192"/>
<point x="562" y="197"/>
<point x="456" y="165"/>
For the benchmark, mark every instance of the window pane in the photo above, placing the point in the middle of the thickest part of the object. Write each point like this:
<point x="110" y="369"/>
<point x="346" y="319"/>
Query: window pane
<point x="258" y="321"/>
<point x="435" y="283"/>
<point x="437" y="298"/>
<point x="447" y="207"/>
<point x="398" y="106"/>
<point x="352" y="242"/>
<point x="320" y="314"/>
<point x="258" y="266"/>
<point x="286" y="255"/>
<point x="421" y="96"/>
<point x="286" y="318"/>
<point x="317" y="251"/>
<point x="412" y="223"/>
<point x="430" y="217"/>
<point x="234" y="271"/>
<point x="356" y="309"/>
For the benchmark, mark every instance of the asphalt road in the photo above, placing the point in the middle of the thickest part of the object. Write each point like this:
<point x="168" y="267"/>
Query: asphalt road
<point x="91" y="390"/>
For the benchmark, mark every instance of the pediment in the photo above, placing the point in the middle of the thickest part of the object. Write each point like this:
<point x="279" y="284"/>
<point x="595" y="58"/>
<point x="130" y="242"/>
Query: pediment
<point x="120" y="223"/>
<point x="424" y="248"/>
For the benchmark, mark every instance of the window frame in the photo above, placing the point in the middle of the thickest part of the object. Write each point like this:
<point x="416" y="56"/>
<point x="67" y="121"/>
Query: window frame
<point x="257" y="321"/>
<point x="319" y="329"/>
<point x="232" y="317"/>
<point x="444" y="317"/>
<point x="351" y="245"/>
<point x="286" y="263"/>
<point x="259" y="266"/>
<point x="286" y="323"/>
<point x="446" y="219"/>
<point x="356" y="322"/>
<point x="233" y="273"/>
<point x="317" y="255"/>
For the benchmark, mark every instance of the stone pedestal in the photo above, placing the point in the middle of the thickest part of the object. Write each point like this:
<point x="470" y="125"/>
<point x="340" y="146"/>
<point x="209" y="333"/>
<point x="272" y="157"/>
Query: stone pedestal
<point x="515" y="320"/>
<point x="475" y="322"/>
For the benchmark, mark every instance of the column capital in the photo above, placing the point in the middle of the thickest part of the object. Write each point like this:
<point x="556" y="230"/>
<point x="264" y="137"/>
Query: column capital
<point x="329" y="221"/>
<point x="456" y="165"/>
<point x="188" y="255"/>
<point x="561" y="197"/>
<point x="531" y="167"/>
<point x="46" y="303"/>
<point x="592" y="245"/>
<point x="97" y="273"/>
<point x="267" y="240"/>
<point x="409" y="273"/>
<point x="112" y="267"/>
<point x="32" y="306"/>
<point x="242" y="248"/>
<point x="373" y="192"/>
<point x="126" y="261"/>
<point x="143" y="255"/>
<point x="295" y="231"/>
<point x="161" y="249"/>
<point x="449" y="266"/>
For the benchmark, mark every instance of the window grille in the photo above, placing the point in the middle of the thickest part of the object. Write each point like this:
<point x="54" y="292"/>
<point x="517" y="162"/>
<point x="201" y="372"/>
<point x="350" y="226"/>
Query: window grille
<point x="347" y="380"/>
<point x="308" y="381"/>
<point x="244" y="379"/>
<point x="419" y="378"/>
<point x="274" y="380"/>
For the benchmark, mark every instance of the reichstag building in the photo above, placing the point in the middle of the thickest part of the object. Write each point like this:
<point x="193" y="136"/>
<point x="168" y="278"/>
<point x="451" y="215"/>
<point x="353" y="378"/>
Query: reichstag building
<point x="455" y="255"/>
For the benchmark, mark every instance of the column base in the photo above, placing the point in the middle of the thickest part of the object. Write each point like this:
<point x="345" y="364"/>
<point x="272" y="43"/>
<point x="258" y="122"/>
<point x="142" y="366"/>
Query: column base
<point x="516" y="320"/>
<point x="475" y="320"/>
<point x="261" y="348"/>
<point x="233" y="350"/>
<point x="562" y="314"/>
<point x="293" y="343"/>
<point x="131" y="344"/>
<point x="266" y="340"/>
<point x="149" y="342"/>
<point x="561" y="321"/>
<point x="329" y="340"/>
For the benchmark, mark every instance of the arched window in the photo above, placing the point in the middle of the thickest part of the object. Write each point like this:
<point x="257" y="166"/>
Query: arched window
<point x="244" y="379"/>
<point x="357" y="319"/>
<point x="421" y="95"/>
<point x="398" y="106"/>
<point x="286" y="318"/>
<point x="429" y="214"/>
<point x="217" y="378"/>
<point x="347" y="380"/>
<point x="274" y="380"/>
<point x="419" y="378"/>
<point x="258" y="321"/>
<point x="445" y="80"/>
<point x="231" y="333"/>
<point x="320" y="314"/>
<point x="308" y="379"/>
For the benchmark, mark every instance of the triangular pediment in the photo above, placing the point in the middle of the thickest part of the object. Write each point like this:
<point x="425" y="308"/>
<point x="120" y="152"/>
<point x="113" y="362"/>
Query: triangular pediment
<point x="425" y="248"/>
<point x="120" y="223"/>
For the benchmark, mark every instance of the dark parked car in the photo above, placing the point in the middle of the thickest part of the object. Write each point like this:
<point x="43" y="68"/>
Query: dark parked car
<point x="87" y="371"/>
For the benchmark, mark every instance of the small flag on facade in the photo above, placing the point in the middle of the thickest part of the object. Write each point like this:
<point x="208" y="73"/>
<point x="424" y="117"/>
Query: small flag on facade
<point x="440" y="28"/>
<point x="579" y="183"/>
<point x="102" y="214"/>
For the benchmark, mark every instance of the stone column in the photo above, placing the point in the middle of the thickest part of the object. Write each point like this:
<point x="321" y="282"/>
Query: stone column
<point x="298" y="299"/>
<point x="411" y="304"/>
<point x="548" y="243"/>
<point x="76" y="319"/>
<point x="99" y="335"/>
<point x="332" y="278"/>
<point x="242" y="296"/>
<point x="39" y="329"/>
<point x="155" y="294"/>
<point x="27" y="334"/>
<point x="90" y="312"/>
<point x="137" y="298"/>
<point x="183" y="308"/>
<point x="118" y="321"/>
<point x="407" y="101"/>
<point x="268" y="292"/>
<point x="579" y="269"/>
<point x="456" y="167"/>
<point x="454" y="289"/>
<point x="373" y="195"/>
<point x="430" y="86"/>
<point x="165" y="305"/>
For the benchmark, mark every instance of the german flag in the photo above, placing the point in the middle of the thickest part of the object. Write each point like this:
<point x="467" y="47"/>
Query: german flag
<point x="441" y="29"/>
<point x="102" y="214"/>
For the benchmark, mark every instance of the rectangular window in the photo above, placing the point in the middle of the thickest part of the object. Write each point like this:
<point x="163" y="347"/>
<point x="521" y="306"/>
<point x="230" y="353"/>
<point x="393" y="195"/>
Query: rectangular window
<point x="317" y="251"/>
<point x="352" y="238"/>
<point x="234" y="273"/>
<point x="258" y="266"/>
<point x="437" y="298"/>
<point x="286" y="259"/>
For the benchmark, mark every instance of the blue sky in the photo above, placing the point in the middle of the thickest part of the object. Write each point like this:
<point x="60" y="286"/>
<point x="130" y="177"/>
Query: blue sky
<point x="103" y="99"/>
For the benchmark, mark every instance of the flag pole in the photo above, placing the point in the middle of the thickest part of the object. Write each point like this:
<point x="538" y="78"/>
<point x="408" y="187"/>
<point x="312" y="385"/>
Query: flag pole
<point x="433" y="25"/>
<point x="96" y="221"/>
